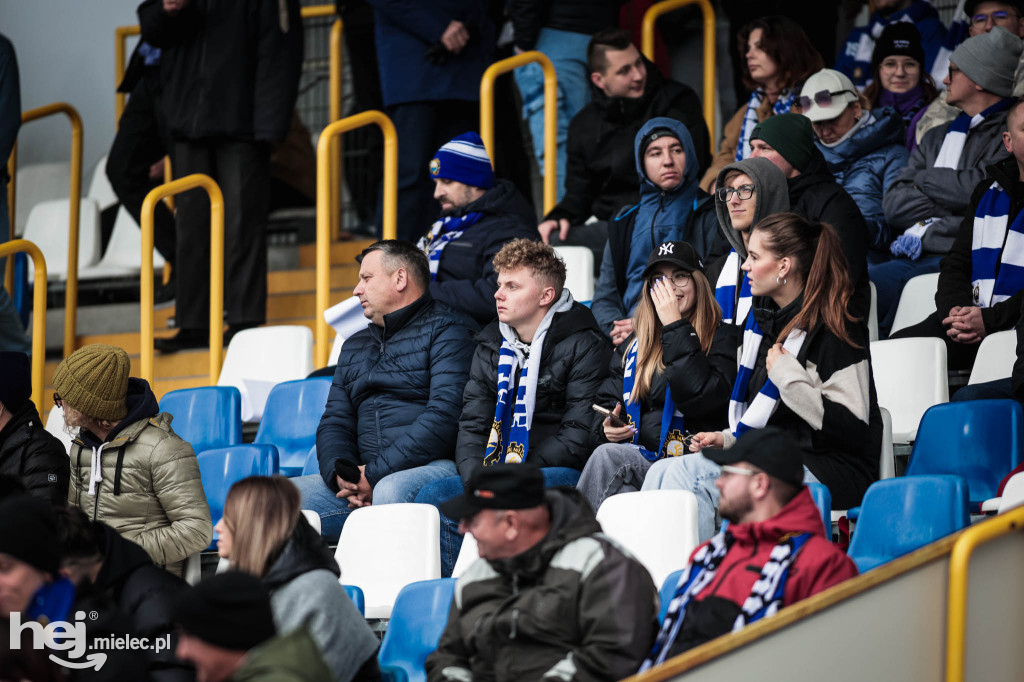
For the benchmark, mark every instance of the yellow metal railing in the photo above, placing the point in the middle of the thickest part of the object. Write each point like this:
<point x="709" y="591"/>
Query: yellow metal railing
<point x="74" y="207"/>
<point x="647" y="43"/>
<point x="38" y="312"/>
<point x="959" y="563"/>
<point x="550" y="114"/>
<point x="194" y="181"/>
<point x="326" y="206"/>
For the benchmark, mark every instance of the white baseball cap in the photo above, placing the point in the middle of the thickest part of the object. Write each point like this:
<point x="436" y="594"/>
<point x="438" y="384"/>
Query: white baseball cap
<point x="826" y="95"/>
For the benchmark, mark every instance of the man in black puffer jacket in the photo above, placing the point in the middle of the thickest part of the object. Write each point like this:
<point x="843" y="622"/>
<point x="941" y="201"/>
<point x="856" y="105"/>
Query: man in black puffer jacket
<point x="27" y="451"/>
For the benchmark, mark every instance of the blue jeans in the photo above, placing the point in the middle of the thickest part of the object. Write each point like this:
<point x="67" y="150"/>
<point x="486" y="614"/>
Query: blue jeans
<point x="12" y="334"/>
<point x="697" y="474"/>
<point x="890" y="278"/>
<point x="568" y="53"/>
<point x="439" y="491"/>
<point x="989" y="390"/>
<point x="401" y="486"/>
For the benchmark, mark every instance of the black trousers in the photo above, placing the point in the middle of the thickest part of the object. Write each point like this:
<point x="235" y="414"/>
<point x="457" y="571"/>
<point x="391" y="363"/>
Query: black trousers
<point x="142" y="139"/>
<point x="958" y="355"/>
<point x="242" y="169"/>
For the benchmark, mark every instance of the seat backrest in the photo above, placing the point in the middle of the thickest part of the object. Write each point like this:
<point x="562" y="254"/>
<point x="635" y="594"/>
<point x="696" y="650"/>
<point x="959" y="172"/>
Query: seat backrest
<point x="206" y="417"/>
<point x="55" y="427"/>
<point x="37" y="183"/>
<point x="417" y="622"/>
<point x="873" y="313"/>
<point x="356" y="595"/>
<point x="311" y="465"/>
<point x="899" y="515"/>
<point x="469" y="553"/>
<point x="258" y="359"/>
<point x="823" y="501"/>
<point x="100" y="189"/>
<point x="123" y="254"/>
<point x="660" y="547"/>
<point x="910" y="377"/>
<point x="290" y="419"/>
<point x="336" y="345"/>
<point x="887" y="466"/>
<point x="223" y="467"/>
<point x="1013" y="493"/>
<point x="47" y="226"/>
<point x="996" y="355"/>
<point x="916" y="302"/>
<point x="313" y="519"/>
<point x="667" y="590"/>
<point x="384" y="548"/>
<point x="579" y="271"/>
<point x="977" y="439"/>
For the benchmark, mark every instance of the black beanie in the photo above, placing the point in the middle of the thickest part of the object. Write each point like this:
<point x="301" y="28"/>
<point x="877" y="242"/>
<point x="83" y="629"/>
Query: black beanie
<point x="790" y="135"/>
<point x="15" y="380"/>
<point x="230" y="610"/>
<point x="898" y="38"/>
<point x="655" y="134"/>
<point x="28" y="532"/>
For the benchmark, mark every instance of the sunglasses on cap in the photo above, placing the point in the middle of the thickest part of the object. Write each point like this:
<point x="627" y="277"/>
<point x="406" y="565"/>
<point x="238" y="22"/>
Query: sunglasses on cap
<point x="823" y="98"/>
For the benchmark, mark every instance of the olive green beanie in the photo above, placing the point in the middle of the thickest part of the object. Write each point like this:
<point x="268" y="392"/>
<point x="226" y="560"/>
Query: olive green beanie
<point x="790" y="135"/>
<point x="94" y="381"/>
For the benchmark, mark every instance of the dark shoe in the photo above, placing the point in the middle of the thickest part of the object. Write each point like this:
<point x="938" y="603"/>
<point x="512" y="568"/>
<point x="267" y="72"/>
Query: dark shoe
<point x="235" y="328"/>
<point x="185" y="339"/>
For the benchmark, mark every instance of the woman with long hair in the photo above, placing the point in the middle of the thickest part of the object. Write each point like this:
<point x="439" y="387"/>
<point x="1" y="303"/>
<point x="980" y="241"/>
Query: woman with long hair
<point x="671" y="376"/>
<point x="776" y="58"/>
<point x="263" y="533"/>
<point x="804" y="366"/>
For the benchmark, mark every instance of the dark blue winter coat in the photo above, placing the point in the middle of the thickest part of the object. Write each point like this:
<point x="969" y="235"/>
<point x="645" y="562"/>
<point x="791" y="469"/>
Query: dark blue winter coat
<point x="397" y="392"/>
<point x="867" y="163"/>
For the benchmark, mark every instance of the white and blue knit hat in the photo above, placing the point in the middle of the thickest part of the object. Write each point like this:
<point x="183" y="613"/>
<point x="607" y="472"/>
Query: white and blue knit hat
<point x="464" y="159"/>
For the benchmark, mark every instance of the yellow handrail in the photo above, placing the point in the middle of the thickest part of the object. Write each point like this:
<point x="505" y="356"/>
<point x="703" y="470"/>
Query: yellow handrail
<point x="550" y="114"/>
<point x="325" y="206"/>
<point x="647" y="47"/>
<point x="959" y="562"/>
<point x="12" y="167"/>
<point x="196" y="180"/>
<point x="334" y="111"/>
<point x="38" y="312"/>
<point x="75" y="199"/>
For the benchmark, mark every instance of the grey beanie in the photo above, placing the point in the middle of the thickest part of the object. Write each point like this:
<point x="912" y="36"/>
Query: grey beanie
<point x="772" y="196"/>
<point x="990" y="60"/>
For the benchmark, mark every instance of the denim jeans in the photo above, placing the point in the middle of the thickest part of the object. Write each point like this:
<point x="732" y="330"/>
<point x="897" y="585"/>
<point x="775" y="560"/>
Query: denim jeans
<point x="989" y="390"/>
<point x="889" y="279"/>
<point x="401" y="486"/>
<point x="613" y="468"/>
<point x="697" y="474"/>
<point x="439" y="491"/>
<point x="568" y="53"/>
<point x="12" y="334"/>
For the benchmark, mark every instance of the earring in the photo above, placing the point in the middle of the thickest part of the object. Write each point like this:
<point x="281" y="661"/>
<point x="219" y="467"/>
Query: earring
<point x="780" y="280"/>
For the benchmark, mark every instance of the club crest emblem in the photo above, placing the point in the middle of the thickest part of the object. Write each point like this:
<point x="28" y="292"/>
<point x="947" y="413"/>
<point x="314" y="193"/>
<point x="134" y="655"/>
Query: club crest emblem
<point x="435" y="167"/>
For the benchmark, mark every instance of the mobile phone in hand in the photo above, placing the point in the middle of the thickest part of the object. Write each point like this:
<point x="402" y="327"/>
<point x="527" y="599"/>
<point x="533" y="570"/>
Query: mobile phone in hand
<point x="613" y="419"/>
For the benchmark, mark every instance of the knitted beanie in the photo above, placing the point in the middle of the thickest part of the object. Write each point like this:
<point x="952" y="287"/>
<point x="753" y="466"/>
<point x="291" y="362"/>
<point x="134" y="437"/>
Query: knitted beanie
<point x="790" y="135"/>
<point x="94" y="381"/>
<point x="28" y="532"/>
<point x="656" y="134"/>
<point x="990" y="60"/>
<point x="230" y="610"/>
<point x="15" y="380"/>
<point x="464" y="159"/>
<point x="900" y="38"/>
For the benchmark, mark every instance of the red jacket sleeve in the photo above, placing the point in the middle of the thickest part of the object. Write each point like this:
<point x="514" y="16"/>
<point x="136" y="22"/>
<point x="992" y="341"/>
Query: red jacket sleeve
<point x="819" y="566"/>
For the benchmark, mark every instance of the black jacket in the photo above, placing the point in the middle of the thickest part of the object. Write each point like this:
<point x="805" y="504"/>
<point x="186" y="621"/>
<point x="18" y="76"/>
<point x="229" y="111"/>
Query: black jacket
<point x="466" y="279"/>
<point x="229" y="68"/>
<point x="600" y="174"/>
<point x="700" y="384"/>
<point x="33" y="456"/>
<point x="574" y="362"/>
<point x="1017" y="377"/>
<point x="955" y="281"/>
<point x="815" y="195"/>
<point x="577" y="16"/>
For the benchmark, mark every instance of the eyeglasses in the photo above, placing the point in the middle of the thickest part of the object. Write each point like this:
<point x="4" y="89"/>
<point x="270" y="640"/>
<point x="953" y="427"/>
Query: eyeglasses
<point x="739" y="471"/>
<point x="743" y="191"/>
<point x="910" y="65"/>
<point x="952" y="70"/>
<point x="823" y="98"/>
<point x="997" y="17"/>
<point x="58" y="401"/>
<point x="679" y="279"/>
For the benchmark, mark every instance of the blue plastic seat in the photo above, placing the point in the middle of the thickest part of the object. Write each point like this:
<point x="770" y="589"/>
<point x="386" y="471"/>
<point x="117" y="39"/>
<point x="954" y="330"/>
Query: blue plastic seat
<point x="356" y="595"/>
<point x="223" y="467"/>
<point x="823" y="500"/>
<point x="978" y="439"/>
<point x="208" y="417"/>
<point x="417" y="621"/>
<point x="290" y="419"/>
<point x="899" y="515"/>
<point x="668" y="589"/>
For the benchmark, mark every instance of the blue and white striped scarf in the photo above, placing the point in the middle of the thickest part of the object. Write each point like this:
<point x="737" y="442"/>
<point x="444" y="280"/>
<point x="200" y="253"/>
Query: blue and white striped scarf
<point x="734" y="308"/>
<point x="765" y="599"/>
<point x="673" y="434"/>
<point x="959" y="29"/>
<point x="441" y="232"/>
<point x="782" y="106"/>
<point x="997" y="250"/>
<point x="744" y="416"/>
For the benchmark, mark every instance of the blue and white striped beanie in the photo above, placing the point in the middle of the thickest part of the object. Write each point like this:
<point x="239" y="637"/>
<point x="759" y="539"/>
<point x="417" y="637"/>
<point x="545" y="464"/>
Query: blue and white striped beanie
<point x="464" y="159"/>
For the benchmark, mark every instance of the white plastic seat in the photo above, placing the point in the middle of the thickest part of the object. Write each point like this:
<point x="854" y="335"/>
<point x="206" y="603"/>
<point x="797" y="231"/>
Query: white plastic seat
<point x="55" y="427"/>
<point x="916" y="302"/>
<point x="384" y="548"/>
<point x="100" y="189"/>
<point x="469" y="553"/>
<point x="887" y="465"/>
<point x="1012" y="497"/>
<point x="123" y="257"/>
<point x="658" y="527"/>
<point x="259" y="359"/>
<point x="996" y="355"/>
<point x="873" y="313"/>
<point x="313" y="518"/>
<point x="579" y="271"/>
<point x="910" y="377"/>
<point x="47" y="226"/>
<point x="339" y="341"/>
<point x="38" y="183"/>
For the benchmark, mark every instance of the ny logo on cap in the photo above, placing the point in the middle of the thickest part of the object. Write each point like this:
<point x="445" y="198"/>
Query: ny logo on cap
<point x="666" y="248"/>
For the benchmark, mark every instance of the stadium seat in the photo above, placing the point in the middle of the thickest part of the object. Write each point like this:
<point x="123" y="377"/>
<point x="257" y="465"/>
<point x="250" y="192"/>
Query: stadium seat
<point x="356" y="595"/>
<point x="579" y="271"/>
<point x="916" y="302"/>
<point x="312" y="464"/>
<point x="123" y="255"/>
<point x="977" y="439"/>
<point x="887" y="465"/>
<point x="100" y="189"/>
<point x="996" y="355"/>
<point x="290" y="419"/>
<point x="47" y="226"/>
<point x="910" y="377"/>
<point x="206" y="417"/>
<point x="37" y="183"/>
<point x="823" y="501"/>
<point x="873" y="314"/>
<point x="55" y="427"/>
<point x="223" y="467"/>
<point x="313" y="519"/>
<point x="259" y="359"/>
<point x="417" y="622"/>
<point x="467" y="555"/>
<point x="336" y="345"/>
<point x="668" y="588"/>
<point x="661" y="547"/>
<point x="384" y="548"/>
<point x="1012" y="497"/>
<point x="900" y="515"/>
